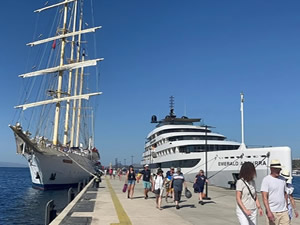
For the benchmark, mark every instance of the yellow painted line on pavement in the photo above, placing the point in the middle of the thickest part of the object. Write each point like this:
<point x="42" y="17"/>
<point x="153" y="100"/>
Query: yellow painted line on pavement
<point x="123" y="218"/>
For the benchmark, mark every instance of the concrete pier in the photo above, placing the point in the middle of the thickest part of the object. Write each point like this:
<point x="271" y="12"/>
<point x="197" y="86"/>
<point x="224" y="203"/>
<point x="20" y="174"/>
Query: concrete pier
<point x="108" y="205"/>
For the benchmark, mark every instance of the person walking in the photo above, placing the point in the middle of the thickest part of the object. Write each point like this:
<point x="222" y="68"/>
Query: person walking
<point x="177" y="182"/>
<point x="289" y="190"/>
<point x="147" y="180"/>
<point x="130" y="179"/>
<point x="169" y="188"/>
<point x="246" y="197"/>
<point x="199" y="183"/>
<point x="110" y="172"/>
<point x="114" y="173"/>
<point x="274" y="196"/>
<point x="157" y="187"/>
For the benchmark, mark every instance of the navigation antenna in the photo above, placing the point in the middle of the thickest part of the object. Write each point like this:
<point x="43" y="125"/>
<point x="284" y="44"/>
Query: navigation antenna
<point x="172" y="114"/>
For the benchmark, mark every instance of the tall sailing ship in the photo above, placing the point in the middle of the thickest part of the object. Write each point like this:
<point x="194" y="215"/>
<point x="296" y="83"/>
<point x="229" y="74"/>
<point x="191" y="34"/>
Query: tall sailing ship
<point x="55" y="127"/>
<point x="181" y="142"/>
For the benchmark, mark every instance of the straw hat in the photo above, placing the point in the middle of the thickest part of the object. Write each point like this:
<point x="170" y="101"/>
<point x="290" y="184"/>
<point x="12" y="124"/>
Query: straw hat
<point x="275" y="164"/>
<point x="286" y="174"/>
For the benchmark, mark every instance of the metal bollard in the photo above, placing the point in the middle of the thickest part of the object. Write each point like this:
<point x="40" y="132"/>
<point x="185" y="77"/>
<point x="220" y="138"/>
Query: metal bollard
<point x="79" y="187"/>
<point x="71" y="195"/>
<point x="50" y="212"/>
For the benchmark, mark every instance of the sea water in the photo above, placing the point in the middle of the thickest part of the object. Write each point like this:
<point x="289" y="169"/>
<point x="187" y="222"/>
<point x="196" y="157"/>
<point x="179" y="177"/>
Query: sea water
<point x="20" y="204"/>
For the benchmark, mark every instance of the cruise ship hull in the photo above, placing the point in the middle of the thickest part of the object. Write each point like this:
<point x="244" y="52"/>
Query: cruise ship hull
<point x="223" y="166"/>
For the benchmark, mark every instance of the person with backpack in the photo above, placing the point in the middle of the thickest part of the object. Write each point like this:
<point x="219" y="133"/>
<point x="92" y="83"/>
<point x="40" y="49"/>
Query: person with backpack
<point x="157" y="187"/>
<point x="246" y="197"/>
<point x="130" y="179"/>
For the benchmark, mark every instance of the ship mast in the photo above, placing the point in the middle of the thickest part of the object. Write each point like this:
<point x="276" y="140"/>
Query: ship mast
<point x="70" y="79"/>
<point x="79" y="103"/>
<point x="60" y="76"/>
<point x="242" y="120"/>
<point x="172" y="114"/>
<point x="76" y="84"/>
<point x="70" y="66"/>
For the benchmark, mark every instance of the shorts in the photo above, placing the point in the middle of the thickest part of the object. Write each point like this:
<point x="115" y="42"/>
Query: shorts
<point x="169" y="190"/>
<point x="159" y="192"/>
<point x="147" y="184"/>
<point x="131" y="182"/>
<point x="177" y="195"/>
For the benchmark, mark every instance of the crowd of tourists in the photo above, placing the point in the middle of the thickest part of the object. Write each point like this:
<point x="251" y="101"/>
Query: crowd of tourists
<point x="171" y="185"/>
<point x="276" y="190"/>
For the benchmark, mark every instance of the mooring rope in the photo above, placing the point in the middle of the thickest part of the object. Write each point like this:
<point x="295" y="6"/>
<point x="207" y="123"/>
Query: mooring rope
<point x="78" y="164"/>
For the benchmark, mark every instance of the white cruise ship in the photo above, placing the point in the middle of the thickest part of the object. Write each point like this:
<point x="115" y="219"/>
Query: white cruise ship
<point x="179" y="142"/>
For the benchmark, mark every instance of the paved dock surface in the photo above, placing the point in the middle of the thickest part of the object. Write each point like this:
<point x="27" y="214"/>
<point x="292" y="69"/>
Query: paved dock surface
<point x="108" y="205"/>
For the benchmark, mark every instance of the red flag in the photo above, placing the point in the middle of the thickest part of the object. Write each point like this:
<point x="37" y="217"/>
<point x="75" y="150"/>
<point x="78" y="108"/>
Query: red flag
<point x="54" y="44"/>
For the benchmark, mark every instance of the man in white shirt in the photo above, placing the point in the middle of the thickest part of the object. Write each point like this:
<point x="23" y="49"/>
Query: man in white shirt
<point x="274" y="196"/>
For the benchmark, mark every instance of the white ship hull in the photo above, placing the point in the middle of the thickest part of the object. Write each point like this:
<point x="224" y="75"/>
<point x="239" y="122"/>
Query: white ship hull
<point x="58" y="171"/>
<point x="54" y="167"/>
<point x="222" y="166"/>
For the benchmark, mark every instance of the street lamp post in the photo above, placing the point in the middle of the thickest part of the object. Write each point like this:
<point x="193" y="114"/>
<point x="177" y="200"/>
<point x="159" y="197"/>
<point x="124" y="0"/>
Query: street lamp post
<point x="206" y="149"/>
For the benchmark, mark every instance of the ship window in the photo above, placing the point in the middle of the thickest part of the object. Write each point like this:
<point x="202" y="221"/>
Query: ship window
<point x="232" y="157"/>
<point x="187" y="163"/>
<point x="195" y="137"/>
<point x="248" y="156"/>
<point x="201" y="148"/>
<point x="182" y="130"/>
<point x="226" y="157"/>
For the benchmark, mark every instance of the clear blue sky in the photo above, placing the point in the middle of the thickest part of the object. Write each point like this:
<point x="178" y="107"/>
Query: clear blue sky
<point x="202" y="52"/>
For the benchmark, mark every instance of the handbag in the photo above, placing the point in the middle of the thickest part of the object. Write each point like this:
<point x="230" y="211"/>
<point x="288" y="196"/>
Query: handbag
<point x="187" y="193"/>
<point x="125" y="188"/>
<point x="196" y="188"/>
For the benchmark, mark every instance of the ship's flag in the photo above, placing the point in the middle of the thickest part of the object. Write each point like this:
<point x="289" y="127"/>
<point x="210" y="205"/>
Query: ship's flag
<point x="54" y="44"/>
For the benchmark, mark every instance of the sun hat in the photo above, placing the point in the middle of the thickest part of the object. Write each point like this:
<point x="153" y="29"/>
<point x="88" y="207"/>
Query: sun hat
<point x="275" y="164"/>
<point x="286" y="174"/>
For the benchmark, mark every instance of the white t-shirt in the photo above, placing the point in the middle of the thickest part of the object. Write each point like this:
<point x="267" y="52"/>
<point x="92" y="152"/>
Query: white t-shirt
<point x="276" y="189"/>
<point x="247" y="199"/>
<point x="158" y="182"/>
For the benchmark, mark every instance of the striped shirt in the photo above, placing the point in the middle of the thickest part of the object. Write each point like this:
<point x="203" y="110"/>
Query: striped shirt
<point x="178" y="180"/>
